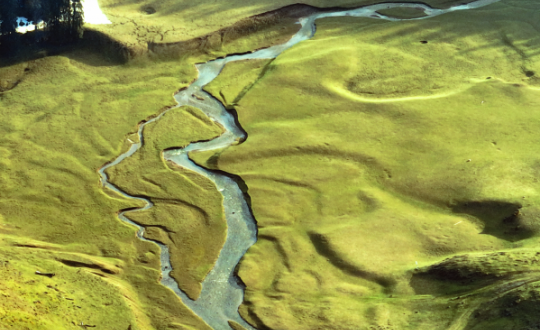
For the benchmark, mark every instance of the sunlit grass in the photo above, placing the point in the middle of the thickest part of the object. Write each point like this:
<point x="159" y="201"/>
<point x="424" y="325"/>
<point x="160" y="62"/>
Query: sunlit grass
<point x="187" y="215"/>
<point x="361" y="142"/>
<point x="67" y="117"/>
<point x="186" y="19"/>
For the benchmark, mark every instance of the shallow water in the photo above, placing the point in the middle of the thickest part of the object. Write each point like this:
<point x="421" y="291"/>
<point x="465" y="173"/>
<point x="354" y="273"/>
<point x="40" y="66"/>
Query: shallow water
<point x="221" y="292"/>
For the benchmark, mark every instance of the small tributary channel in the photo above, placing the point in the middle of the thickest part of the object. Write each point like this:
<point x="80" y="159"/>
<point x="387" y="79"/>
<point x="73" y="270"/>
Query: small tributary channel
<point x="221" y="293"/>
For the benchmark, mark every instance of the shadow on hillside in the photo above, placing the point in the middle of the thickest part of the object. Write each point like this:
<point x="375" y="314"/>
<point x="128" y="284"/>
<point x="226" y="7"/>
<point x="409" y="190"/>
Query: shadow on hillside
<point x="201" y="9"/>
<point x="94" y="48"/>
<point x="500" y="25"/>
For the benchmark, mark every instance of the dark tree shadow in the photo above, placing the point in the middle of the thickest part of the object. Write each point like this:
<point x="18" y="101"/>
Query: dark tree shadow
<point x="37" y="44"/>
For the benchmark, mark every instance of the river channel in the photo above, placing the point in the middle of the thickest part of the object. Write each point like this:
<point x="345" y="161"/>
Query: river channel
<point x="222" y="292"/>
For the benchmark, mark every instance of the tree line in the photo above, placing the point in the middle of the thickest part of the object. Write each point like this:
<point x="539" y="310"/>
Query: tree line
<point x="63" y="20"/>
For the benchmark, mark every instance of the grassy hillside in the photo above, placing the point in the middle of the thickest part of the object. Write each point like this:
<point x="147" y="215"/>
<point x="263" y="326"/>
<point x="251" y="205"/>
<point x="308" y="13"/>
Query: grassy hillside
<point x="188" y="213"/>
<point x="72" y="297"/>
<point x="137" y="22"/>
<point x="65" y="118"/>
<point x="377" y="150"/>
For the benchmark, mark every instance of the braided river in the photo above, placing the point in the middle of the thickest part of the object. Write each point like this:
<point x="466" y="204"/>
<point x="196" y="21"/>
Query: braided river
<point x="222" y="291"/>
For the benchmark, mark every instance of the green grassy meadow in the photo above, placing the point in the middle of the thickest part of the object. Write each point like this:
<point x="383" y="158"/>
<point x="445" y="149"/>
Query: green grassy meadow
<point x="74" y="296"/>
<point x="392" y="169"/>
<point x="236" y="79"/>
<point x="135" y="23"/>
<point x="67" y="117"/>
<point x="187" y="214"/>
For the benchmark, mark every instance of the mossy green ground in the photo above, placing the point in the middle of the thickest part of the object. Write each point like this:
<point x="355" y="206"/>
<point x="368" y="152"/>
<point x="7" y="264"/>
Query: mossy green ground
<point x="187" y="213"/>
<point x="372" y="156"/>
<point x="236" y="80"/>
<point x="72" y="297"/>
<point x="67" y="117"/>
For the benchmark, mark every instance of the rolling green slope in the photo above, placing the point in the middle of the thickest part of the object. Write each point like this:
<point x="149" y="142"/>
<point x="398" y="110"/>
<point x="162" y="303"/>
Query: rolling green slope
<point x="63" y="118"/>
<point x="67" y="116"/>
<point x="135" y="23"/>
<point x="187" y="213"/>
<point x="376" y="150"/>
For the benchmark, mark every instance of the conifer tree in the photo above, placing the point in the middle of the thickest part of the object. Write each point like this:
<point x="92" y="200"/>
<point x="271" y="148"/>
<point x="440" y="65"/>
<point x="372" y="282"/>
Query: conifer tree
<point x="9" y="44"/>
<point x="63" y="20"/>
<point x="53" y="17"/>
<point x="34" y="10"/>
<point x="77" y="18"/>
<point x="8" y="12"/>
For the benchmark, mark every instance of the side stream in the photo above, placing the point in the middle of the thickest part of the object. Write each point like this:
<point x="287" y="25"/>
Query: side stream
<point x="222" y="292"/>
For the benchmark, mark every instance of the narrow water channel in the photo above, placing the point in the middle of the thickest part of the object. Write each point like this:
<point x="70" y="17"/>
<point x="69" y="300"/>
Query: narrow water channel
<point x="221" y="293"/>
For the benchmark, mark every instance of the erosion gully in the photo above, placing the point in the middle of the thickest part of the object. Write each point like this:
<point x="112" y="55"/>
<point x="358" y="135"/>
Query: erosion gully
<point x="222" y="291"/>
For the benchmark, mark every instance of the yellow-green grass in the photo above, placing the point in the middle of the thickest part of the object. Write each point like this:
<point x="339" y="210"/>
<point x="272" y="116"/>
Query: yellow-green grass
<point x="73" y="296"/>
<point x="67" y="117"/>
<point x="187" y="215"/>
<point x="364" y="147"/>
<point x="235" y="80"/>
<point x="247" y="35"/>
<point x="172" y="21"/>
<point x="239" y="38"/>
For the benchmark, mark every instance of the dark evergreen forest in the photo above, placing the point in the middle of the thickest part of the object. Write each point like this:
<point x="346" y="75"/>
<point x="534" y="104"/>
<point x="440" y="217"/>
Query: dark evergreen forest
<point x="63" y="20"/>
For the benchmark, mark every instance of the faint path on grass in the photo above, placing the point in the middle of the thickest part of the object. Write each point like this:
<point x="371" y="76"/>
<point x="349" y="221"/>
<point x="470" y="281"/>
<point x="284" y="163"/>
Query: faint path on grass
<point x="222" y="291"/>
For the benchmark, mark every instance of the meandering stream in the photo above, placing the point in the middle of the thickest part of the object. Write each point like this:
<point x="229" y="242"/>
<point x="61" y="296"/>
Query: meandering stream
<point x="221" y="293"/>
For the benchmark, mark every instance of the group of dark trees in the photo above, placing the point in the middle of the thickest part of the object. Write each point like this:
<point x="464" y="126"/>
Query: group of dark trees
<point x="63" y="20"/>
